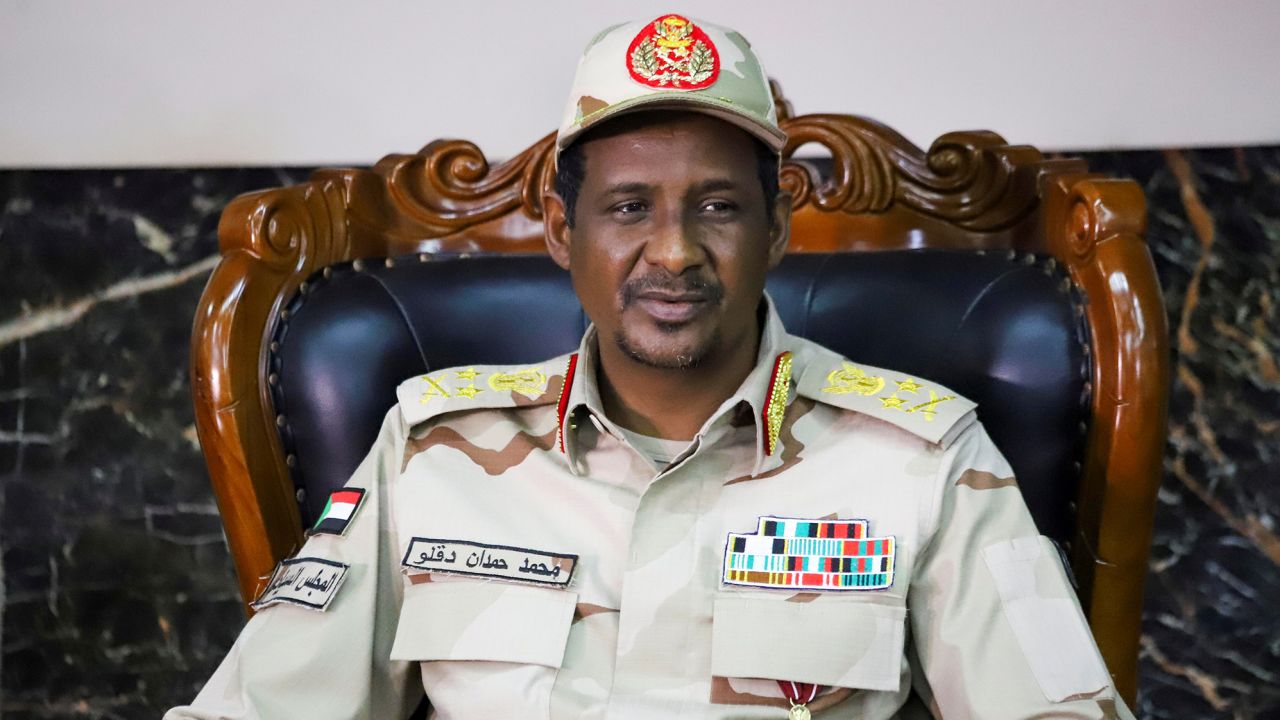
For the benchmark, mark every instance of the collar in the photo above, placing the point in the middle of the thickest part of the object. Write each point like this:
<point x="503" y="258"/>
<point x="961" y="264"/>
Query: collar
<point x="767" y="391"/>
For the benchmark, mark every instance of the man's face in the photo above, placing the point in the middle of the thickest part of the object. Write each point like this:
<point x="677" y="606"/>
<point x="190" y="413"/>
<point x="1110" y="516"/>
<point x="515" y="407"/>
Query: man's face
<point x="671" y="239"/>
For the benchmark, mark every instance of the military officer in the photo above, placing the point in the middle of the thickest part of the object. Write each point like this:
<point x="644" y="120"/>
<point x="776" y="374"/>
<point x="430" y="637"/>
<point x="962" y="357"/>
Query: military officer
<point x="695" y="514"/>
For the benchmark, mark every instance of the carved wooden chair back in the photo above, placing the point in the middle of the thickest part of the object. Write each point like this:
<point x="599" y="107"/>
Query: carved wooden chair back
<point x="970" y="190"/>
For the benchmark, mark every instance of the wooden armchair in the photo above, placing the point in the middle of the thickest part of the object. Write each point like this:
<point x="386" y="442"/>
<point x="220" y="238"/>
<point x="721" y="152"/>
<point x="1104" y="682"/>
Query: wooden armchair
<point x="969" y="191"/>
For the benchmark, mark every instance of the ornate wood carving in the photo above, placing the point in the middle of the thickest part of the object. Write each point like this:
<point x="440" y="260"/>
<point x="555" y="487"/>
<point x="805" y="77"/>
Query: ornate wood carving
<point x="448" y="196"/>
<point x="449" y="186"/>
<point x="969" y="189"/>
<point x="968" y="179"/>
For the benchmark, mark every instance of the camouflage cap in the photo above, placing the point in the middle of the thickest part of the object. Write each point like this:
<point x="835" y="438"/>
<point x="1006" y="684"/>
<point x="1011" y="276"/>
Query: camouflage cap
<point x="672" y="62"/>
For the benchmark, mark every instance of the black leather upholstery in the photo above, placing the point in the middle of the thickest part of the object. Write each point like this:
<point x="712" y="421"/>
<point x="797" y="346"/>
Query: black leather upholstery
<point x="1000" y="329"/>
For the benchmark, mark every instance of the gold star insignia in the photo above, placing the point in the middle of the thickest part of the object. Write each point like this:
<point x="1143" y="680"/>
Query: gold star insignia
<point x="468" y="392"/>
<point x="910" y="386"/>
<point x="468" y="374"/>
<point x="893" y="402"/>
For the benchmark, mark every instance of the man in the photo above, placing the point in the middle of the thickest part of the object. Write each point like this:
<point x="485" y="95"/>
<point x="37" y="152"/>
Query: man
<point x="696" y="514"/>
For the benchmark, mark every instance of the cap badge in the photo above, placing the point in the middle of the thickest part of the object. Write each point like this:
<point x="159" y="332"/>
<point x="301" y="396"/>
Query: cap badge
<point x="673" y="54"/>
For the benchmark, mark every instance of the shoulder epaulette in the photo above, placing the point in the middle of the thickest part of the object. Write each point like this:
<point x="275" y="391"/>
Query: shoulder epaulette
<point x="922" y="408"/>
<point x="475" y="387"/>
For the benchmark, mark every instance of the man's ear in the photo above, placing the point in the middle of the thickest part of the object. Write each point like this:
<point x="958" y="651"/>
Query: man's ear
<point x="780" y="232"/>
<point x="555" y="226"/>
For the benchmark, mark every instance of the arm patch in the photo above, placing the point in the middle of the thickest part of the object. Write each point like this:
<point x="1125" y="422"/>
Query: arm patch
<point x="1048" y="625"/>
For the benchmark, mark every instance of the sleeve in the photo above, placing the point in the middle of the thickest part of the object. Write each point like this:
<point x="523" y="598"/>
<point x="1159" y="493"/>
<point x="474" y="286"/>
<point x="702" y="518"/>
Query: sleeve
<point x="997" y="629"/>
<point x="293" y="661"/>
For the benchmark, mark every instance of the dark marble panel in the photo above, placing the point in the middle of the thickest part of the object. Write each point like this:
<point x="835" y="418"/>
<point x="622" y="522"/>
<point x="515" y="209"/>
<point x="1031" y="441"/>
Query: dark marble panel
<point x="119" y="592"/>
<point x="117" y="589"/>
<point x="1211" y="645"/>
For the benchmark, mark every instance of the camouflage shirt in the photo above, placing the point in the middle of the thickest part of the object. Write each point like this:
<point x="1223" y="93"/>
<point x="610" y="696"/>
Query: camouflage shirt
<point x="832" y="523"/>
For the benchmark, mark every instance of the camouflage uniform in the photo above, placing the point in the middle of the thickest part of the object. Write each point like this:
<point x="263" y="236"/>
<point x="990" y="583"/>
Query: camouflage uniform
<point x="978" y="615"/>
<point x="518" y="555"/>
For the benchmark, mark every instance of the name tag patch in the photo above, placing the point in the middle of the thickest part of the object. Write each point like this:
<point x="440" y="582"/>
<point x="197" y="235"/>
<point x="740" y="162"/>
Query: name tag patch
<point x="463" y="557"/>
<point x="307" y="581"/>
<point x="798" y="554"/>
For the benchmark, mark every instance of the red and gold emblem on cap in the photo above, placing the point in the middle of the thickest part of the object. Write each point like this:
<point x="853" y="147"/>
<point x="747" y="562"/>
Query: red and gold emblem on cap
<point x="673" y="54"/>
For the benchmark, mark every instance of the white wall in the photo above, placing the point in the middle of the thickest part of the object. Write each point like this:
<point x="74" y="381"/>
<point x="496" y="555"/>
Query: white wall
<point x="247" y="82"/>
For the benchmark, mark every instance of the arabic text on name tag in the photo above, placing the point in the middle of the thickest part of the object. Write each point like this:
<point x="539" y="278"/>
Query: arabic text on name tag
<point x="470" y="558"/>
<point x="311" y="582"/>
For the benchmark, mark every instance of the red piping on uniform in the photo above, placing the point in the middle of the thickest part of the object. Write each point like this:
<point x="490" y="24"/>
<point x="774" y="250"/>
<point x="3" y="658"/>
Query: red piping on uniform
<point x="768" y="401"/>
<point x="563" y="405"/>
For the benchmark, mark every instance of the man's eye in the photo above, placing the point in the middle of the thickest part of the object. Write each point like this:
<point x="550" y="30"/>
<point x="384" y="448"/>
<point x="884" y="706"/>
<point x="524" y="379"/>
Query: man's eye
<point x="630" y="207"/>
<point x="718" y="207"/>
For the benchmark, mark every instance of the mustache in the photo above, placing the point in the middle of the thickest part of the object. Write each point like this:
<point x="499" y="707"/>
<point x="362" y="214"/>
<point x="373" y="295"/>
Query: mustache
<point x="666" y="283"/>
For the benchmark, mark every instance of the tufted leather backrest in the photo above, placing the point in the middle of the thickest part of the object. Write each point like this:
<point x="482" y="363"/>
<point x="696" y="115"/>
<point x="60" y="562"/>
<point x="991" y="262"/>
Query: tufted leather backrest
<point x="1002" y="329"/>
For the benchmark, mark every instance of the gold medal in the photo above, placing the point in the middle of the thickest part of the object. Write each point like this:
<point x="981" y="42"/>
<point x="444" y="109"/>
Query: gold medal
<point x="798" y="712"/>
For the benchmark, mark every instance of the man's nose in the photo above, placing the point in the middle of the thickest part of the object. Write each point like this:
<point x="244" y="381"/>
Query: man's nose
<point x="674" y="246"/>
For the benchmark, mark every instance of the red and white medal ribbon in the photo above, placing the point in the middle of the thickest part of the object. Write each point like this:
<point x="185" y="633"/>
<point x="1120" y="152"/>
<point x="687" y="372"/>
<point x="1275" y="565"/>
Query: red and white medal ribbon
<point x="800" y="695"/>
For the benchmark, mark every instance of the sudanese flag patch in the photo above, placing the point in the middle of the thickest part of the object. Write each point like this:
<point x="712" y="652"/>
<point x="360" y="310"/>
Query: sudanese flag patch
<point x="339" y="511"/>
<point x="673" y="54"/>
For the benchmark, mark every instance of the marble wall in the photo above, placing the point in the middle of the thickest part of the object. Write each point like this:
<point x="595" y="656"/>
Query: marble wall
<point x="117" y="591"/>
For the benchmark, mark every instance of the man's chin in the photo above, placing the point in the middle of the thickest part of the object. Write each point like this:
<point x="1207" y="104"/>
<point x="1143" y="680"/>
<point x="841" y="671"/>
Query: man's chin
<point x="666" y="353"/>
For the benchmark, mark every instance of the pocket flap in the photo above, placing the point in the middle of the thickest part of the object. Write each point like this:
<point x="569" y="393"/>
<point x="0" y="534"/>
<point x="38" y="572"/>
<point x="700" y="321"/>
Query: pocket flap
<point x="830" y="641"/>
<point x="484" y="621"/>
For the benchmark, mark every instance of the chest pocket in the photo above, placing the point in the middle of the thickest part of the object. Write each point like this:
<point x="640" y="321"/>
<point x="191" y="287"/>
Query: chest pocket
<point x="486" y="649"/>
<point x="837" y="641"/>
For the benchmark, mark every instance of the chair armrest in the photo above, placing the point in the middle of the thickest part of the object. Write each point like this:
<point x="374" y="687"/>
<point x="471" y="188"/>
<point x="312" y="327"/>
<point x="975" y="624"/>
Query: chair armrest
<point x="1095" y="227"/>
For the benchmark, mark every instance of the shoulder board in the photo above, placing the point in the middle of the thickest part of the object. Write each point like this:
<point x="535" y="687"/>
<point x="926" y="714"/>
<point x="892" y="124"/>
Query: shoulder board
<point x="922" y="408"/>
<point x="476" y="387"/>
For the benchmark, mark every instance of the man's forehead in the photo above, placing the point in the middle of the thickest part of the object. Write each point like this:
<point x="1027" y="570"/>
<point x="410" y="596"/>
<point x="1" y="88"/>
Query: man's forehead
<point x="665" y="156"/>
<point x="638" y="183"/>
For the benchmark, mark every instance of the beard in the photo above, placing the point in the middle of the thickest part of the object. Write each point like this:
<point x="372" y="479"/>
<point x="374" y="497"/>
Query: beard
<point x="668" y="357"/>
<point x="670" y="352"/>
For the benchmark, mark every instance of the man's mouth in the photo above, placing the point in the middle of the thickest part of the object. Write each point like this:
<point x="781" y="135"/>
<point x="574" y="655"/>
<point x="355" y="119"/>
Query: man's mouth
<point x="670" y="300"/>
<point x="673" y="307"/>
